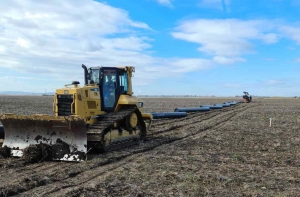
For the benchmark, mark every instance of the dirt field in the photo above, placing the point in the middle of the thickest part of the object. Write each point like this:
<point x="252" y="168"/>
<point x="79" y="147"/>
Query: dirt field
<point x="227" y="152"/>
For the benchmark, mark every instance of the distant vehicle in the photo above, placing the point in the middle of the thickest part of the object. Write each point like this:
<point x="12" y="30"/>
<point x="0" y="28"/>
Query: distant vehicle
<point x="246" y="97"/>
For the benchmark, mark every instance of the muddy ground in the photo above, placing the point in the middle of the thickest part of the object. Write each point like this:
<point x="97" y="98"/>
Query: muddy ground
<point x="227" y="152"/>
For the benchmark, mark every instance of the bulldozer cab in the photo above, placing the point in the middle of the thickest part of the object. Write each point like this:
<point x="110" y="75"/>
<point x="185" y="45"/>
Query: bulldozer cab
<point x="112" y="82"/>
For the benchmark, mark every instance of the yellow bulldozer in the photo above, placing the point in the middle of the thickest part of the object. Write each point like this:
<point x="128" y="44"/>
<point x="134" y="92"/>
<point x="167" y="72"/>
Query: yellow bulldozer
<point x="102" y="113"/>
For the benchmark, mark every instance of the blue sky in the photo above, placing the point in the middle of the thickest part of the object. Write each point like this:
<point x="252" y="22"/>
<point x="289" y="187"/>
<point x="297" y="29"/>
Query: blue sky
<point x="196" y="47"/>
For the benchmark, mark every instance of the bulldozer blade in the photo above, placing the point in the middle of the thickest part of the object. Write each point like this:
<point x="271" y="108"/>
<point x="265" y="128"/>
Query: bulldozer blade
<point x="65" y="135"/>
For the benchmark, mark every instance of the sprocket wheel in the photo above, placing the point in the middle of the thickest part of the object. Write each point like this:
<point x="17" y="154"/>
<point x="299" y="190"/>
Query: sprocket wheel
<point x="131" y="121"/>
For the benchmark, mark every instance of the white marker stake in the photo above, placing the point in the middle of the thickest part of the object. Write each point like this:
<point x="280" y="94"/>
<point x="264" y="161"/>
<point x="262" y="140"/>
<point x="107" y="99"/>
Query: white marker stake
<point x="270" y="121"/>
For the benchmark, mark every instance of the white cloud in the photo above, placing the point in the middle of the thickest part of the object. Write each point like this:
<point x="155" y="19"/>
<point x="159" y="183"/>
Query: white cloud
<point x="190" y="64"/>
<point x="22" y="43"/>
<point x="167" y="3"/>
<point x="31" y="83"/>
<point x="52" y="39"/>
<point x="170" y="67"/>
<point x="2" y="49"/>
<point x="291" y="32"/>
<point x="227" y="60"/>
<point x="270" y="38"/>
<point x="225" y="38"/>
<point x="127" y="43"/>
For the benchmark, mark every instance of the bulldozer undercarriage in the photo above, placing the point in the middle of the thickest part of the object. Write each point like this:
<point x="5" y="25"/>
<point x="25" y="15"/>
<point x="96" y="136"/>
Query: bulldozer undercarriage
<point x="124" y="126"/>
<point x="70" y="138"/>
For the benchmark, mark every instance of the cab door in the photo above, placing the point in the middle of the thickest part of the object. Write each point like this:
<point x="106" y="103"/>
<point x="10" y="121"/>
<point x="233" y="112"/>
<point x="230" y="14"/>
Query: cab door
<point x="109" y="88"/>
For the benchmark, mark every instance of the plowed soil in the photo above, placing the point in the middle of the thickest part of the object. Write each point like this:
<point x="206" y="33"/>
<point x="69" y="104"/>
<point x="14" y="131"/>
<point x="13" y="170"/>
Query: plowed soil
<point x="227" y="152"/>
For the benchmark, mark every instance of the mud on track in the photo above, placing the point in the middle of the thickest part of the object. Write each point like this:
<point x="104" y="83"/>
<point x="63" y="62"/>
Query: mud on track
<point x="221" y="153"/>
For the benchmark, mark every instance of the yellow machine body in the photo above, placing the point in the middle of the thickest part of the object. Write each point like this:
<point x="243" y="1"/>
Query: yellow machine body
<point x="87" y="104"/>
<point x="76" y="110"/>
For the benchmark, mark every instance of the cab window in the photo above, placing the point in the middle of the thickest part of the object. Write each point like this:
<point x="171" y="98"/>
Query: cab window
<point x="123" y="78"/>
<point x="94" y="75"/>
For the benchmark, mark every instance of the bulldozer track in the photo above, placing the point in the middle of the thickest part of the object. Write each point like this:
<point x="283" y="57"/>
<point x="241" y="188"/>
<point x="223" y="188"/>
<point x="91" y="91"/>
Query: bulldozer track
<point x="108" y="120"/>
<point x="106" y="123"/>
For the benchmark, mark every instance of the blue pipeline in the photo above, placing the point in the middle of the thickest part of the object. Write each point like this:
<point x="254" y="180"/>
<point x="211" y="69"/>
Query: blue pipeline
<point x="159" y="115"/>
<point x="215" y="106"/>
<point x="192" y="109"/>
